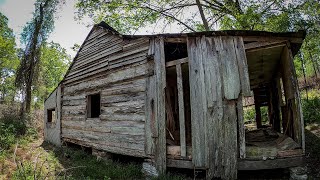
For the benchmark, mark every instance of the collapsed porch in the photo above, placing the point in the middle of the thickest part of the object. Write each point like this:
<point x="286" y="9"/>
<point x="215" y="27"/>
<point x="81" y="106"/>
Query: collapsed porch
<point x="270" y="71"/>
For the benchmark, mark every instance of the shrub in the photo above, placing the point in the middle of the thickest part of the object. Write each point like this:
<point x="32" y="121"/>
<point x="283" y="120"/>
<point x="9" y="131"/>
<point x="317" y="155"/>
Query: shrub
<point x="249" y="114"/>
<point x="311" y="107"/>
<point x="13" y="128"/>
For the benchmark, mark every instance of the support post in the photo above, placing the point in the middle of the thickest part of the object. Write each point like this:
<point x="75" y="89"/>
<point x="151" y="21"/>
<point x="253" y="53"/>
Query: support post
<point x="181" y="112"/>
<point x="257" y="108"/>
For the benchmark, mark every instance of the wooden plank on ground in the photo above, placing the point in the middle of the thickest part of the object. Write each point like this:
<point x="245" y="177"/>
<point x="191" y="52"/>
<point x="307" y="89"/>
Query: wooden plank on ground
<point x="270" y="163"/>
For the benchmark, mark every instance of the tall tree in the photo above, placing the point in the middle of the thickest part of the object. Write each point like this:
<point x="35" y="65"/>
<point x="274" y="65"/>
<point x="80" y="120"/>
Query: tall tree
<point x="8" y="60"/>
<point x="54" y="62"/>
<point x="200" y="15"/>
<point x="34" y="34"/>
<point x="191" y="15"/>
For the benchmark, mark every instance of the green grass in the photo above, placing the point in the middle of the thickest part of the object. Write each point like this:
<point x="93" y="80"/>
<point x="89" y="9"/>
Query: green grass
<point x="77" y="164"/>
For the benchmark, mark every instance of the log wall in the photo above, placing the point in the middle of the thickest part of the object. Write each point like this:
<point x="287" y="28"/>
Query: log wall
<point x="118" y="70"/>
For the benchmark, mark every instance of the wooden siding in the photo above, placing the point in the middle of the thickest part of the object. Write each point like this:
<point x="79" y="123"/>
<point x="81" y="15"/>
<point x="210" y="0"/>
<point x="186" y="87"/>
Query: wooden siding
<point x="52" y="130"/>
<point x="117" y="69"/>
<point x="216" y="84"/>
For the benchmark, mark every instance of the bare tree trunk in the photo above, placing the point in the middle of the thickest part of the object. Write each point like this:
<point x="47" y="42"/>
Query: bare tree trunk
<point x="33" y="57"/>
<point x="314" y="63"/>
<point x="304" y="73"/>
<point x="204" y="20"/>
<point x="28" y="97"/>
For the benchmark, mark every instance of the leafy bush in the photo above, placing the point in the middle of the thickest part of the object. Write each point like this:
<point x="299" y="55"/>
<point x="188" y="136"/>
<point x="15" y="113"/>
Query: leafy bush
<point x="249" y="114"/>
<point x="311" y="107"/>
<point x="13" y="128"/>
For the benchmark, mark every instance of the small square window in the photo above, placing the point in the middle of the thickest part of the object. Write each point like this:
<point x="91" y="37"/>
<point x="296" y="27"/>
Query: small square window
<point x="51" y="115"/>
<point x="93" y="106"/>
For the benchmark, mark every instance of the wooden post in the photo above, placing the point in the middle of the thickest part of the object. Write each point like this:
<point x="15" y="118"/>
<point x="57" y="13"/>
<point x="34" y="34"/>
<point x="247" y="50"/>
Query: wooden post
<point x="241" y="129"/>
<point x="275" y="105"/>
<point x="181" y="112"/>
<point x="257" y="108"/>
<point x="160" y="73"/>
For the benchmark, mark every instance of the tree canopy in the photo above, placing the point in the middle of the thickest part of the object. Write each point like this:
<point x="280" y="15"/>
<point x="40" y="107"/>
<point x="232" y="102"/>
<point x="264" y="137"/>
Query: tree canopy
<point x="198" y="15"/>
<point x="203" y="15"/>
<point x="8" y="60"/>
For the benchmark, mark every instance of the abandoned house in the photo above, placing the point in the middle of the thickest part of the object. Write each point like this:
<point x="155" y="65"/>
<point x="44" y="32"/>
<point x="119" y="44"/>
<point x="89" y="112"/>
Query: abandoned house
<point x="176" y="100"/>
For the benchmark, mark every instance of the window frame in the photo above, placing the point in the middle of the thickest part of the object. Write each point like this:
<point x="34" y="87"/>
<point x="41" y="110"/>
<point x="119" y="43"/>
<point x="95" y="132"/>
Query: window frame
<point x="51" y="120"/>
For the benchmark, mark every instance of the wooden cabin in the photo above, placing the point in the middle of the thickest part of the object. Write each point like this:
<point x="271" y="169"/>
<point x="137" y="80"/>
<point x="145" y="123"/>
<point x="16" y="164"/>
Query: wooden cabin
<point x="176" y="100"/>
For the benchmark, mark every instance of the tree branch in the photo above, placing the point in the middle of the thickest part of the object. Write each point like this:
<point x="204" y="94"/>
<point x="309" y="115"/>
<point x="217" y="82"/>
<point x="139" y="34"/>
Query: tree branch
<point x="204" y="20"/>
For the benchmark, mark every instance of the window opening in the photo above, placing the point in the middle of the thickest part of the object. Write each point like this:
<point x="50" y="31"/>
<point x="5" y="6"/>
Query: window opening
<point x="93" y="106"/>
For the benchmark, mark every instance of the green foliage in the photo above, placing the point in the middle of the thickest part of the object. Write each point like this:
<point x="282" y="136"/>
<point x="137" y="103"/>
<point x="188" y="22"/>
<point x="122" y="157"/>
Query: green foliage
<point x="311" y="107"/>
<point x="249" y="114"/>
<point x="14" y="129"/>
<point x="43" y="167"/>
<point x="91" y="168"/>
<point x="8" y="60"/>
<point x="54" y="62"/>
<point x="268" y="15"/>
<point x="11" y="128"/>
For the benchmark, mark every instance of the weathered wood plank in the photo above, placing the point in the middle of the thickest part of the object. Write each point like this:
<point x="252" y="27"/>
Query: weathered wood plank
<point x="299" y="114"/>
<point x="197" y="100"/>
<point x="176" y="62"/>
<point x="270" y="164"/>
<point x="160" y="74"/>
<point x="230" y="72"/>
<point x="71" y="117"/>
<point x="108" y="148"/>
<point x="150" y="130"/>
<point x="213" y="95"/>
<point x="105" y="100"/>
<point x="103" y="68"/>
<point x="291" y="96"/>
<point x="181" y="112"/>
<point x="74" y="102"/>
<point x="242" y="66"/>
<point x="104" y="137"/>
<point x="241" y="129"/>
<point x="86" y="52"/>
<point x="110" y="78"/>
<point x="135" y="86"/>
<point x="261" y="44"/>
<point x="136" y="43"/>
<point x="230" y="141"/>
<point x="139" y="109"/>
<point x="261" y="38"/>
<point x="123" y="117"/>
